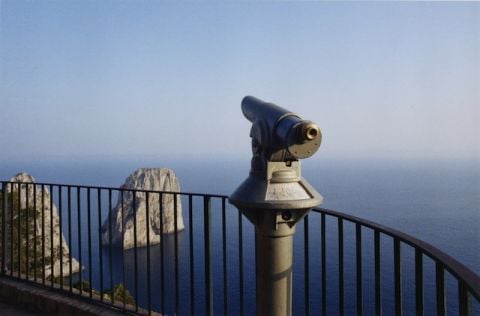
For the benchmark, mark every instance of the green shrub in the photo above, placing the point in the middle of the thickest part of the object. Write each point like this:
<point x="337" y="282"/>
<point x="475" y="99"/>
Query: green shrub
<point x="119" y="291"/>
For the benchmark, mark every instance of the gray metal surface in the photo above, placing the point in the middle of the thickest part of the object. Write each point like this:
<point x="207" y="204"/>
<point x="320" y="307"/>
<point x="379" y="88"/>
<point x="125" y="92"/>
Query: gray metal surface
<point x="275" y="197"/>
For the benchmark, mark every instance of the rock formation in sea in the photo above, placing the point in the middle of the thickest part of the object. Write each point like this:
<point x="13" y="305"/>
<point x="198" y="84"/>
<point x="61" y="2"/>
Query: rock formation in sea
<point x="123" y="214"/>
<point x="41" y="230"/>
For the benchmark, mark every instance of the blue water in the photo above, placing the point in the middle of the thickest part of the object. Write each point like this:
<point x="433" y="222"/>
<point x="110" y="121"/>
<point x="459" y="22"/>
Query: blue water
<point x="438" y="202"/>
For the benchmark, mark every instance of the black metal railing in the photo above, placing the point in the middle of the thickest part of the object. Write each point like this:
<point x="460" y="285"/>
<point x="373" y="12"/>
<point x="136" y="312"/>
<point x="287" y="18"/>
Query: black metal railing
<point x="370" y="243"/>
<point x="41" y="222"/>
<point x="342" y="264"/>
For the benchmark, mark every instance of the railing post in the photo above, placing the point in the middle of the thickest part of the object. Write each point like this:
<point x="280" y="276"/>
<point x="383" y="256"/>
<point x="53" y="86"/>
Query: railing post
<point x="4" y="228"/>
<point x="208" y="255"/>
<point x="275" y="197"/>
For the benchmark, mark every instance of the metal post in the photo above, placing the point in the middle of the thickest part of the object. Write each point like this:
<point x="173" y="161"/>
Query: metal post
<point x="4" y="228"/>
<point x="274" y="273"/>
<point x="207" y="224"/>
<point x="275" y="197"/>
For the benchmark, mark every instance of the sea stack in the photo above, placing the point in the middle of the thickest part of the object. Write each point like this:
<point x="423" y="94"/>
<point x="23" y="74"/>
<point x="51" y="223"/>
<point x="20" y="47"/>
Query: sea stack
<point x="152" y="179"/>
<point x="46" y="225"/>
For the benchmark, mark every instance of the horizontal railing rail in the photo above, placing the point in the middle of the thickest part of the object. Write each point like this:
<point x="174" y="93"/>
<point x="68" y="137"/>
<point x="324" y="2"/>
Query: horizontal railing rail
<point x="96" y="243"/>
<point x="93" y="187"/>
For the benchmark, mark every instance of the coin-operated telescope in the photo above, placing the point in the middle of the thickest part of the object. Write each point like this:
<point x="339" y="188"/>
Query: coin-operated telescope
<point x="275" y="197"/>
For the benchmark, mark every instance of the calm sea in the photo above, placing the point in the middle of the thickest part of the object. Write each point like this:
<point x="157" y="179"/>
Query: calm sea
<point x="438" y="202"/>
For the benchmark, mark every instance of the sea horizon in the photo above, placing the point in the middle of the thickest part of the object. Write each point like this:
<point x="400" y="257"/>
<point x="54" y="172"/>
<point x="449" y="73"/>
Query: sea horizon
<point x="434" y="200"/>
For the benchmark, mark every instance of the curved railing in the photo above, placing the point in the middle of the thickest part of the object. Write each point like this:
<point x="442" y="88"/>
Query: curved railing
<point x="209" y="266"/>
<point x="468" y="282"/>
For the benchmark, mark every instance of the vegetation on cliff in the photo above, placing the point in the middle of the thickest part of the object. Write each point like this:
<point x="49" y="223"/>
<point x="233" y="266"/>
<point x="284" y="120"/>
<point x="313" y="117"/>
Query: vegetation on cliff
<point x="23" y="241"/>
<point x="23" y="245"/>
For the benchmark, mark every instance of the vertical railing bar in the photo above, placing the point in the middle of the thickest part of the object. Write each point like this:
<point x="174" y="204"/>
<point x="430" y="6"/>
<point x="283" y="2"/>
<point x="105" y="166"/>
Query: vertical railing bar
<point x="52" y="247"/>
<point x="324" y="268"/>
<point x="11" y="229"/>
<point x="60" y="228"/>
<point x="464" y="304"/>
<point x="224" y="253"/>
<point x="135" y="250"/>
<point x="89" y="240"/>
<point x="147" y="213"/>
<point x="27" y="233"/>
<point x="240" y="259"/>
<point x="79" y="234"/>
<point x="175" y="239"/>
<point x="100" y="249"/>
<point x="208" y="255"/>
<point x="440" y="289"/>
<point x="162" y="255"/>
<point x="378" y="280"/>
<point x="19" y="256"/>
<point x="419" y="282"/>
<point x="306" y="245"/>
<point x="398" y="276"/>
<point x="35" y="263"/>
<point x="110" y="246"/>
<point x="12" y="223"/>
<point x="255" y="241"/>
<point x="358" y="247"/>
<point x="341" y="291"/>
<point x="69" y="209"/>
<point x="43" y="234"/>
<point x="123" y="250"/>
<point x="4" y="228"/>
<point x="192" y="261"/>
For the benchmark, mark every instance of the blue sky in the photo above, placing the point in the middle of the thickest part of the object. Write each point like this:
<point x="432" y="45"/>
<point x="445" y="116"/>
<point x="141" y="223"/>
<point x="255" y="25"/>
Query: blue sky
<point x="120" y="80"/>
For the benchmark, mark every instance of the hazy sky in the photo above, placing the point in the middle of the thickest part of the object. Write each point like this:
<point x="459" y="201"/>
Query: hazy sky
<point x="126" y="79"/>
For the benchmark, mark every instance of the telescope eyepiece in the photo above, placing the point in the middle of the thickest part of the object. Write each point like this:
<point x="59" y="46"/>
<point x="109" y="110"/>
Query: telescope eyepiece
<point x="307" y="131"/>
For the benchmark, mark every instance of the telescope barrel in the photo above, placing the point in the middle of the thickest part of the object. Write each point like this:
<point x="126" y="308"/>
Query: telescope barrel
<point x="255" y="109"/>
<point x="286" y="130"/>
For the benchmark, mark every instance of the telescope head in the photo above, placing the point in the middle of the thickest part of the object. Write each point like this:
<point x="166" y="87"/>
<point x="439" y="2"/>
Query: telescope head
<point x="280" y="139"/>
<point x="278" y="135"/>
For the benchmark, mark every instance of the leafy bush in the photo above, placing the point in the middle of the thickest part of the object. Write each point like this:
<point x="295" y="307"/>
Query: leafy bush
<point x="119" y="291"/>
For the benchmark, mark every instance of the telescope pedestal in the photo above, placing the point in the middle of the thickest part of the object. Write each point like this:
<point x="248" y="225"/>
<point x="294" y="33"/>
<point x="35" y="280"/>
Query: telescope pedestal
<point x="274" y="274"/>
<point x="274" y="230"/>
<point x="274" y="265"/>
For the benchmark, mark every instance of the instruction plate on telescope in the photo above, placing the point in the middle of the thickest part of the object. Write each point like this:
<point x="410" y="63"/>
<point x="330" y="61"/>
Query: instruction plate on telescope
<point x="286" y="192"/>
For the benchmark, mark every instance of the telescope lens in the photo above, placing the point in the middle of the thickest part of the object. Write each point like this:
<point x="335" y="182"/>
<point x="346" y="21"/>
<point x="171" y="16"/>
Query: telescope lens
<point x="307" y="131"/>
<point x="311" y="133"/>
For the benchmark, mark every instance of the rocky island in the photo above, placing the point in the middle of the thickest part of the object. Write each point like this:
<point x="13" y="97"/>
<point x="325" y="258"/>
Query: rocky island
<point x="41" y="230"/>
<point x="155" y="179"/>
